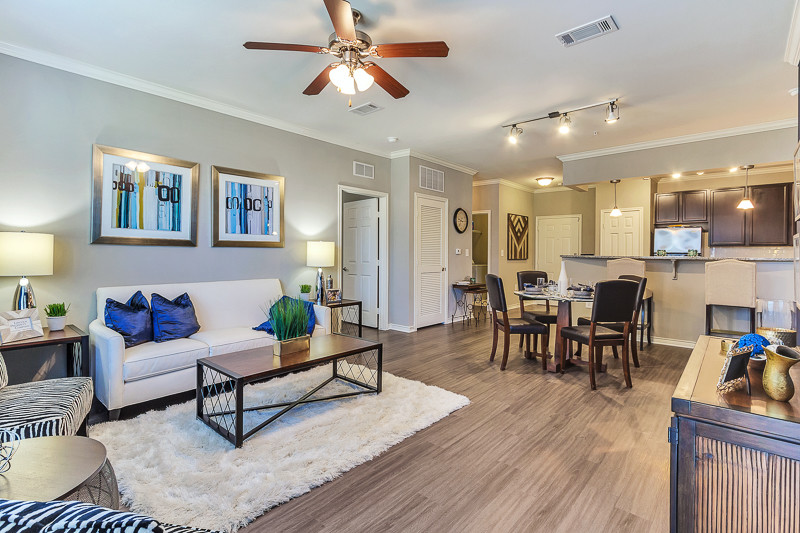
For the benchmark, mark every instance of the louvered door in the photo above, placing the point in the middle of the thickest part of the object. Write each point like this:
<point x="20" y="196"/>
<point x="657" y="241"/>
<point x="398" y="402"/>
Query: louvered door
<point x="431" y="257"/>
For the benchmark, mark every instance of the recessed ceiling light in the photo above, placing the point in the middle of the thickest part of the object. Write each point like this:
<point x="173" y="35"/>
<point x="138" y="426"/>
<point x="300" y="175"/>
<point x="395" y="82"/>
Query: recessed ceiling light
<point x="676" y="174"/>
<point x="734" y="169"/>
<point x="701" y="173"/>
<point x="793" y="92"/>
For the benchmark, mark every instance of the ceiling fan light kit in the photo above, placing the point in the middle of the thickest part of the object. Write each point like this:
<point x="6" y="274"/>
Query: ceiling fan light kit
<point x="352" y="47"/>
<point x="564" y="119"/>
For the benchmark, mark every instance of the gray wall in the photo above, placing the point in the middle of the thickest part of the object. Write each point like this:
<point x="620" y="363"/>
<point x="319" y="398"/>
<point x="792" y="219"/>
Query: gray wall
<point x="51" y="118"/>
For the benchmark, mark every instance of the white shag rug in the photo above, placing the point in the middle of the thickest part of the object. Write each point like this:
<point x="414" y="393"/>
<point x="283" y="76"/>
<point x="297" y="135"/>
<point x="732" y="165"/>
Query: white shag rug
<point x="175" y="468"/>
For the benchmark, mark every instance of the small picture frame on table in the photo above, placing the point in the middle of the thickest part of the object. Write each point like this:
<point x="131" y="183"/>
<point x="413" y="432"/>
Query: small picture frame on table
<point x="734" y="371"/>
<point x="333" y="295"/>
<point x="19" y="325"/>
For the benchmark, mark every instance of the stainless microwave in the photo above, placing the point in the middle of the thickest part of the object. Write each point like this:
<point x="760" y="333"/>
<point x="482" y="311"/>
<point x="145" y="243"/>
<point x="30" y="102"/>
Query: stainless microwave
<point x="678" y="240"/>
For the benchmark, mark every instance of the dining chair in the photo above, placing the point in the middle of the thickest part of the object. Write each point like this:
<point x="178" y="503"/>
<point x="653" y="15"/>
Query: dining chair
<point x="625" y="266"/>
<point x="730" y="283"/>
<point x="614" y="301"/>
<point x="531" y="276"/>
<point x="511" y="326"/>
<point x="619" y="326"/>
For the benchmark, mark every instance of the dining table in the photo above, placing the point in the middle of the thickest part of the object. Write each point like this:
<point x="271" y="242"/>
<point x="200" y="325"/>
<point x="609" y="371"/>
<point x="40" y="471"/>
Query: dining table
<point x="563" y="320"/>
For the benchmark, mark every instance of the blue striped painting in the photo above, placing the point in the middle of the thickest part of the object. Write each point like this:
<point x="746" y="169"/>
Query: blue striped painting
<point x="150" y="200"/>
<point x="249" y="209"/>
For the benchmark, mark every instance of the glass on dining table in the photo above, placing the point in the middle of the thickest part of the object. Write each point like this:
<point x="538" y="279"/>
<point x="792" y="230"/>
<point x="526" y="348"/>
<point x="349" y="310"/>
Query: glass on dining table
<point x="539" y="282"/>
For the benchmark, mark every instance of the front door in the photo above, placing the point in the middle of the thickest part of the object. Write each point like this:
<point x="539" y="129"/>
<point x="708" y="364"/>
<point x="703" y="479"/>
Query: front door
<point x="360" y="257"/>
<point x="431" y="256"/>
<point x="556" y="236"/>
<point x="622" y="235"/>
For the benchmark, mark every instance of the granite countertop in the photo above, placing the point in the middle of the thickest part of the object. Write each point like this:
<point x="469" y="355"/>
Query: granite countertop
<point x="681" y="258"/>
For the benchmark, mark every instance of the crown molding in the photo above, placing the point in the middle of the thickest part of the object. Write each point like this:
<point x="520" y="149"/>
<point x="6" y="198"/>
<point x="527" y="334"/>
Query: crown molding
<point x="684" y="139"/>
<point x="504" y="182"/>
<point x="408" y="152"/>
<point x="777" y="169"/>
<point x="123" y="80"/>
<point x="559" y="188"/>
<point x="792" y="53"/>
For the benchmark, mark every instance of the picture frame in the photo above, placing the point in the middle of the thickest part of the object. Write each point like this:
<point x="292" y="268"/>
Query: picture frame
<point x="517" y="237"/>
<point x="143" y="199"/>
<point x="734" y="370"/>
<point x="19" y="325"/>
<point x="333" y="295"/>
<point x="247" y="208"/>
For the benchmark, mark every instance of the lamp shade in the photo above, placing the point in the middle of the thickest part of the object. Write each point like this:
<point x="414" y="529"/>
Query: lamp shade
<point x="26" y="254"/>
<point x="320" y="253"/>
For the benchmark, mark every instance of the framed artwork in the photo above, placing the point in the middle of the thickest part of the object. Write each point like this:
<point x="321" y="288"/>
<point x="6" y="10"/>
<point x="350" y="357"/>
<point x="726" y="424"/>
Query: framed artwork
<point x="144" y="199"/>
<point x="19" y="325"/>
<point x="517" y="237"/>
<point x="734" y="371"/>
<point x="333" y="295"/>
<point x="247" y="208"/>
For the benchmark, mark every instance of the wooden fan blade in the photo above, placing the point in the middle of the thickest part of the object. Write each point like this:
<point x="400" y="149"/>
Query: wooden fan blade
<point x="427" y="49"/>
<point x="342" y="17"/>
<point x="319" y="82"/>
<point x="389" y="84"/>
<point x="252" y="45"/>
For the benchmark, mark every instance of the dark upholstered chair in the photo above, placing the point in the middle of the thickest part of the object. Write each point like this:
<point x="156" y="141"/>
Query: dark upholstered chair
<point x="530" y="276"/>
<point x="619" y="326"/>
<point x="509" y="326"/>
<point x="614" y="301"/>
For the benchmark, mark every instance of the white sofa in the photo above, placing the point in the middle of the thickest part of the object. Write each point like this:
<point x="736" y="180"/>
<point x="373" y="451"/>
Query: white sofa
<point x="227" y="311"/>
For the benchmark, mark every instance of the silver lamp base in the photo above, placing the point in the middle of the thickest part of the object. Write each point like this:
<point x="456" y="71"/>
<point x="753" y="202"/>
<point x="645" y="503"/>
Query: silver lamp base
<point x="23" y="296"/>
<point x="321" y="295"/>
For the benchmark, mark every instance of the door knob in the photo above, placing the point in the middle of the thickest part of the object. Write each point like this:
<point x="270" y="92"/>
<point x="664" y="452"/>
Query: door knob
<point x="443" y="269"/>
<point x="345" y="269"/>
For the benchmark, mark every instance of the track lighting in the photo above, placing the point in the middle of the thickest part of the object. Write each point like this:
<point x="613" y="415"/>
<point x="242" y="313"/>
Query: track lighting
<point x="564" y="123"/>
<point x="612" y="113"/>
<point x="544" y="181"/>
<point x="564" y="118"/>
<point x="615" y="212"/>
<point x="746" y="203"/>
<point x="513" y="135"/>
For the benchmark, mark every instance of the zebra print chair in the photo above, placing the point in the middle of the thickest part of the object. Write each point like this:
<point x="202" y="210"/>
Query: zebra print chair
<point x="52" y="407"/>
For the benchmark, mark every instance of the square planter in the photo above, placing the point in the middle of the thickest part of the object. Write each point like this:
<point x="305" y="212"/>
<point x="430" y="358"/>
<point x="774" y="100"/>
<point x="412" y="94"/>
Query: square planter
<point x="298" y="344"/>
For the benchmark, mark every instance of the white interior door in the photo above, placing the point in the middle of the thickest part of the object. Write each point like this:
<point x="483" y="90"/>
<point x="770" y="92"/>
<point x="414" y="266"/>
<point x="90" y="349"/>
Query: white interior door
<point x="621" y="235"/>
<point x="556" y="236"/>
<point x="360" y="257"/>
<point x="430" y="244"/>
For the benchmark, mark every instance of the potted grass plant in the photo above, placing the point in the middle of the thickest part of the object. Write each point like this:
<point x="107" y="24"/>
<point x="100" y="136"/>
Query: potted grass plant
<point x="305" y="291"/>
<point x="56" y="315"/>
<point x="290" y="323"/>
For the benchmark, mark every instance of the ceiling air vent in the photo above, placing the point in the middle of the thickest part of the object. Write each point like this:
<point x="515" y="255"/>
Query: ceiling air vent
<point x="587" y="31"/>
<point x="365" y="109"/>
<point x="363" y="170"/>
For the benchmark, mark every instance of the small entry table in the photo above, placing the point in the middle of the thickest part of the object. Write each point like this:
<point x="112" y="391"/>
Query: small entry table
<point x="61" y="468"/>
<point x="75" y="339"/>
<point x="465" y="309"/>
<point x="221" y="379"/>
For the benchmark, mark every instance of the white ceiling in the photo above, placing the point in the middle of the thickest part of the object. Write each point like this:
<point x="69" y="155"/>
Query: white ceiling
<point x="680" y="67"/>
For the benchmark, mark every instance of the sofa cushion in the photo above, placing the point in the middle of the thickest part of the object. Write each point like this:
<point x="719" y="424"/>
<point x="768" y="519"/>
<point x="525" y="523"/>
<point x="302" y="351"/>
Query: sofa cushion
<point x="173" y="319"/>
<point x="154" y="358"/>
<point x="229" y="340"/>
<point x="132" y="320"/>
<point x="46" y="408"/>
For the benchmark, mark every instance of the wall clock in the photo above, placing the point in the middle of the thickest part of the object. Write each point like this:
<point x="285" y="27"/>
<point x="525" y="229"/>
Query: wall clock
<point x="460" y="220"/>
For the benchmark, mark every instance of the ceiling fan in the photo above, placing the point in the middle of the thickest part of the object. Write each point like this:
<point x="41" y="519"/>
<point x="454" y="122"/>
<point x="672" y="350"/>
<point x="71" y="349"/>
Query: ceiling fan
<point x="352" y="47"/>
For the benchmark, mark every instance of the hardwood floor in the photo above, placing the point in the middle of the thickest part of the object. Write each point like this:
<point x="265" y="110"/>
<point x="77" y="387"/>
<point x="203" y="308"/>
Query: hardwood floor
<point x="534" y="451"/>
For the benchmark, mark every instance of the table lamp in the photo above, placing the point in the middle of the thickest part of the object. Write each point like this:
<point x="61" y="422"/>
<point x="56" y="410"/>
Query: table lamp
<point x="320" y="254"/>
<point x="25" y="254"/>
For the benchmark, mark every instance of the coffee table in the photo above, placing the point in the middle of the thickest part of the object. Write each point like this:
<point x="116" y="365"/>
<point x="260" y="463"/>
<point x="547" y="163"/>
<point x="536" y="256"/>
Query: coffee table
<point x="221" y="379"/>
<point x="61" y="468"/>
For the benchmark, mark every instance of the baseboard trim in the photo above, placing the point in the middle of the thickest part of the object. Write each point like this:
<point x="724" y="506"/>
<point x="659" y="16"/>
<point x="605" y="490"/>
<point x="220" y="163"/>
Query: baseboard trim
<point x="679" y="343"/>
<point x="401" y="328"/>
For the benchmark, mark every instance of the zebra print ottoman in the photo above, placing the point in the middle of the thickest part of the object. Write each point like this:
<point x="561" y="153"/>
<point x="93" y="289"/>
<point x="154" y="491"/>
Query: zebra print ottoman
<point x="48" y="408"/>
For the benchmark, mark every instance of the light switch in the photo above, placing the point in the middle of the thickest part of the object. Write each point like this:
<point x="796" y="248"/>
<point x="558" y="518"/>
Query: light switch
<point x="466" y="252"/>
<point x="458" y="251"/>
<point x="502" y="253"/>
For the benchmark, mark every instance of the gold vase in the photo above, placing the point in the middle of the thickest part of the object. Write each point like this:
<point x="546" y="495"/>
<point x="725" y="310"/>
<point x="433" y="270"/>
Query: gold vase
<point x="776" y="380"/>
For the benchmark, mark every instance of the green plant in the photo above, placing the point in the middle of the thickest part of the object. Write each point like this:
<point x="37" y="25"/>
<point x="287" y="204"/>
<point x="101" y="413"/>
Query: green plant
<point x="305" y="288"/>
<point x="59" y="309"/>
<point x="289" y="319"/>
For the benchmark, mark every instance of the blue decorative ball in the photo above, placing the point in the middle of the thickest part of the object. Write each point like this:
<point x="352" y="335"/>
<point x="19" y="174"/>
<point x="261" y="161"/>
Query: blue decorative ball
<point x="756" y="341"/>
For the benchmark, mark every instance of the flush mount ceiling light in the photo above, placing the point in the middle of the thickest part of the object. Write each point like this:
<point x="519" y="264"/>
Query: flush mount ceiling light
<point x="564" y="119"/>
<point x="514" y="133"/>
<point x="615" y="212"/>
<point x="544" y="181"/>
<point x="733" y="169"/>
<point x="676" y="175"/>
<point x="746" y="203"/>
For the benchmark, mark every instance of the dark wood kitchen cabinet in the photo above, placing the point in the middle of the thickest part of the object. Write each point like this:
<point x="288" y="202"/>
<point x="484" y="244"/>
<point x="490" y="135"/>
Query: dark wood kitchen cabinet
<point x="667" y="208"/>
<point x="768" y="224"/>
<point x="685" y="207"/>
<point x="728" y="224"/>
<point x="694" y="206"/>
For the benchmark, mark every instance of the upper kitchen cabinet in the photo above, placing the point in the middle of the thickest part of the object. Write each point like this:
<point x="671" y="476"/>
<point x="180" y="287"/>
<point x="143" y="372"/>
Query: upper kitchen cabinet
<point x="770" y="221"/>
<point x="687" y="207"/>
<point x="728" y="224"/>
<point x="667" y="208"/>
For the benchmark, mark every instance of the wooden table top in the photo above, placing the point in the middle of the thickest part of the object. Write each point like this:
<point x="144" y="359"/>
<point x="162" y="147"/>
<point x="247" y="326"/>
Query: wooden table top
<point x="49" y="468"/>
<point x="69" y="334"/>
<point x="344" y="302"/>
<point x="470" y="286"/>
<point x="696" y="394"/>
<point x="260" y="363"/>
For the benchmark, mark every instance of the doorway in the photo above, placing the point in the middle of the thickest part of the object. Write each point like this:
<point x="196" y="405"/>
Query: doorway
<point x="622" y="235"/>
<point x="430" y="260"/>
<point x="362" y="252"/>
<point x="556" y="236"/>
<point x="481" y="244"/>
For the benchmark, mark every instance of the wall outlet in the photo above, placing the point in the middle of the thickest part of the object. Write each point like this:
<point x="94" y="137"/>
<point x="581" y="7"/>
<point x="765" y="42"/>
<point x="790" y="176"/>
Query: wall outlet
<point x="466" y="252"/>
<point x="458" y="251"/>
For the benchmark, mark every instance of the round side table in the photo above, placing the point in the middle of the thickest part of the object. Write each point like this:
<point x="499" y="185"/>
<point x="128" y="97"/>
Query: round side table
<point x="61" y="468"/>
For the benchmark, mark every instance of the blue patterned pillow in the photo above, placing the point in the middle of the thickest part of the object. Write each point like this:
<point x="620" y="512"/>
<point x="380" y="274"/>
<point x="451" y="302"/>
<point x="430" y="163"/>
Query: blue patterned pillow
<point x="79" y="517"/>
<point x="27" y="517"/>
<point x="132" y="320"/>
<point x="312" y="319"/>
<point x="173" y="319"/>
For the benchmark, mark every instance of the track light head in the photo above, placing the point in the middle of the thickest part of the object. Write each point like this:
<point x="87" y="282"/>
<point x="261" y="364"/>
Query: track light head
<point x="513" y="135"/>
<point x="612" y="113"/>
<point x="564" y="123"/>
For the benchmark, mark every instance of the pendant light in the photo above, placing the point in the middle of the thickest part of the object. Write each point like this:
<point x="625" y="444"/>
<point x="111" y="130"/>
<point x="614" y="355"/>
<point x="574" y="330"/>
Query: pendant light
<point x="746" y="203"/>
<point x="615" y="212"/>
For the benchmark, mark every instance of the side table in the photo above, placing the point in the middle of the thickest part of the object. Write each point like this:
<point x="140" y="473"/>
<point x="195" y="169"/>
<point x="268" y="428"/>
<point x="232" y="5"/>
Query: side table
<point x="75" y="339"/>
<point x="466" y="310"/>
<point x="61" y="468"/>
<point x="346" y="317"/>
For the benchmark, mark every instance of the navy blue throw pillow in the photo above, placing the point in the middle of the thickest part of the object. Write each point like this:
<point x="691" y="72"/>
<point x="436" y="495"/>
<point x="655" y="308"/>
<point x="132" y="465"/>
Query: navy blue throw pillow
<point x="312" y="319"/>
<point x="132" y="320"/>
<point x="173" y="319"/>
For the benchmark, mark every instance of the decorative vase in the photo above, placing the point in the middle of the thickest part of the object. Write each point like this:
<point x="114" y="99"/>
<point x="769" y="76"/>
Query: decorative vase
<point x="306" y="296"/>
<point x="563" y="280"/>
<point x="56" y="323"/>
<point x="297" y="344"/>
<point x="776" y="380"/>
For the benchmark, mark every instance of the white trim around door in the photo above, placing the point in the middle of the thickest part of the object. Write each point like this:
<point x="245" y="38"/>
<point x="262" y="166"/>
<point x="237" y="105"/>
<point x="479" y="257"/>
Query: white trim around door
<point x="445" y="293"/>
<point x="383" y="247"/>
<point x="488" y="213"/>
